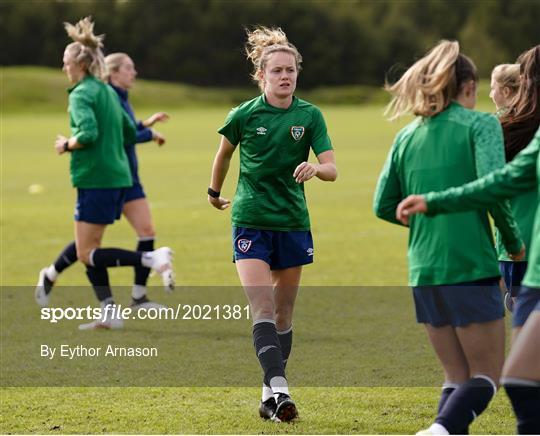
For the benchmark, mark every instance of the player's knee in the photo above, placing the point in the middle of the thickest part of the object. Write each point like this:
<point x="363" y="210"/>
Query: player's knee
<point x="83" y="255"/>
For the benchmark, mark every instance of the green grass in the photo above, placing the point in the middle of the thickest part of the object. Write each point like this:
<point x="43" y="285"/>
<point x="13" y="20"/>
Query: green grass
<point x="176" y="176"/>
<point x="229" y="410"/>
<point x="356" y="334"/>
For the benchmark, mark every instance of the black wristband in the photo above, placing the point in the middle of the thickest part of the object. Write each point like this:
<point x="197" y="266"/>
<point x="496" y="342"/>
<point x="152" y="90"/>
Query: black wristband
<point x="213" y="193"/>
<point x="66" y="146"/>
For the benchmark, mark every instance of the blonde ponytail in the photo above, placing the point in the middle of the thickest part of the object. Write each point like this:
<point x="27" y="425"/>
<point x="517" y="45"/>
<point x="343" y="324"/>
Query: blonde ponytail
<point x="87" y="47"/>
<point x="431" y="83"/>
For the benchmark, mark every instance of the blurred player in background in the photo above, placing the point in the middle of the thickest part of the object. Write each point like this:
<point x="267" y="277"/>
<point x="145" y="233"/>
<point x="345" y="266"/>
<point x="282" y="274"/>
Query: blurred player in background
<point x="518" y="104"/>
<point x="452" y="260"/>
<point x="121" y="74"/>
<point x="504" y="86"/>
<point x="99" y="170"/>
<point x="521" y="373"/>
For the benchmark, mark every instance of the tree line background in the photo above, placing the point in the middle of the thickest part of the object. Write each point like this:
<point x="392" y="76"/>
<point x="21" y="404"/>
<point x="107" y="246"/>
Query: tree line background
<point x="343" y="42"/>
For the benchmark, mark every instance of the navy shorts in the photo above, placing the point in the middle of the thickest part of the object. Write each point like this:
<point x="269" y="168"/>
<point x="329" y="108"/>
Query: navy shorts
<point x="512" y="273"/>
<point x="528" y="300"/>
<point x="135" y="192"/>
<point x="280" y="250"/>
<point x="99" y="206"/>
<point x="459" y="304"/>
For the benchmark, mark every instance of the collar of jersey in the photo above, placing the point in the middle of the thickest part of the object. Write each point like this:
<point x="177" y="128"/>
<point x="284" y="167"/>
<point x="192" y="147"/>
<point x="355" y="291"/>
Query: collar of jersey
<point x="453" y="105"/>
<point x="123" y="93"/>
<point x="278" y="109"/>
<point x="84" y="79"/>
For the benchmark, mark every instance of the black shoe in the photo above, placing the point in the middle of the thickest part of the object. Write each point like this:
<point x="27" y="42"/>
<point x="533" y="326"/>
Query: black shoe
<point x="267" y="408"/>
<point x="285" y="409"/>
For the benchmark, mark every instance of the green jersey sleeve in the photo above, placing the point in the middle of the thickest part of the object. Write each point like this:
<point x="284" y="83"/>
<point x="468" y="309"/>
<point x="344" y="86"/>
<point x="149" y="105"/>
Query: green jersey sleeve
<point x="84" y="123"/>
<point x="388" y="192"/>
<point x="489" y="156"/>
<point x="320" y="141"/>
<point x="488" y="144"/>
<point x="232" y="129"/>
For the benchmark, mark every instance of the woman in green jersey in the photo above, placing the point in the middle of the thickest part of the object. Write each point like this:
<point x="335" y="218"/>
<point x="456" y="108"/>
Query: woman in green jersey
<point x="271" y="228"/>
<point x="504" y="87"/>
<point x="521" y="373"/>
<point x="520" y="120"/>
<point x="452" y="260"/>
<point x="99" y="170"/>
<point x="121" y="75"/>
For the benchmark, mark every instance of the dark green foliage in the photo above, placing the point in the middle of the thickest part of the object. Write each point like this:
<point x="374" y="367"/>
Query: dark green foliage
<point x="343" y="42"/>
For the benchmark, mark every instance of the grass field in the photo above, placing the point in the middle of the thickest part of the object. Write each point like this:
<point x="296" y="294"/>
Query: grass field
<point x="360" y="363"/>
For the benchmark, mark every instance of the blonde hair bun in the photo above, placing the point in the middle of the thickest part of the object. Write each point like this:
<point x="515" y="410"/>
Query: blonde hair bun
<point x="83" y="33"/>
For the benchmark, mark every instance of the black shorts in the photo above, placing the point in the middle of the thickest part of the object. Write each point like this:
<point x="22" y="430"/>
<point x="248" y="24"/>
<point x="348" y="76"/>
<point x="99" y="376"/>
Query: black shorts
<point x="99" y="205"/>
<point x="459" y="304"/>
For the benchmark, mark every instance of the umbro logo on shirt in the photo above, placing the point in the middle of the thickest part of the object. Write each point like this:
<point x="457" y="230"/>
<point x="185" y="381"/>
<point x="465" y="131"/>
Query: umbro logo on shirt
<point x="310" y="251"/>
<point x="261" y="131"/>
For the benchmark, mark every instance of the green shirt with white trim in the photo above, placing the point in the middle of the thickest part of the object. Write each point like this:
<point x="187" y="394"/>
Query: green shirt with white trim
<point x="273" y="142"/>
<point x="451" y="148"/>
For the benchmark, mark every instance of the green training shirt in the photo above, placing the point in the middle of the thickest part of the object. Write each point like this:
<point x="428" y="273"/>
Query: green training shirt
<point x="101" y="125"/>
<point x="449" y="149"/>
<point x="520" y="175"/>
<point x="523" y="209"/>
<point x="273" y="142"/>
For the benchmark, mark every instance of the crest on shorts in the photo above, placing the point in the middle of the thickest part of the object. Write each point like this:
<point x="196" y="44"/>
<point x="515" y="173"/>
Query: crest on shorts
<point x="243" y="245"/>
<point x="297" y="132"/>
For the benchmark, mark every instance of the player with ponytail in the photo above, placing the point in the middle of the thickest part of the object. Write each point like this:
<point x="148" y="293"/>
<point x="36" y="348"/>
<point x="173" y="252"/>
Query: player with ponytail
<point x="518" y="178"/>
<point x="274" y="133"/>
<point x="100" y="171"/>
<point x="452" y="259"/>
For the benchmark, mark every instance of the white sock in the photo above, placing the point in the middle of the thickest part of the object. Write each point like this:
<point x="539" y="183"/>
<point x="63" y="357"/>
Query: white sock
<point x="267" y="393"/>
<point x="51" y="273"/>
<point x="138" y="291"/>
<point x="279" y="385"/>
<point x="438" y="429"/>
<point x="106" y="302"/>
<point x="147" y="259"/>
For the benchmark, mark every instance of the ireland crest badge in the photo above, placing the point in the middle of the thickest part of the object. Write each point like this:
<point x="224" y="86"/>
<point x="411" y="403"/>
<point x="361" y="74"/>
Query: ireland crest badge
<point x="243" y="245"/>
<point x="297" y="132"/>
